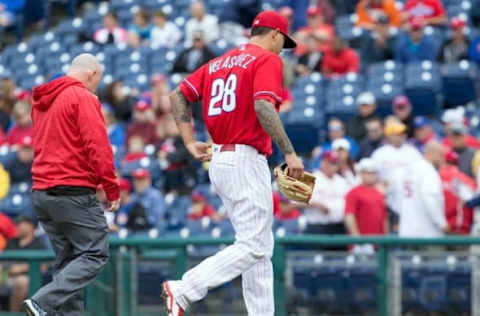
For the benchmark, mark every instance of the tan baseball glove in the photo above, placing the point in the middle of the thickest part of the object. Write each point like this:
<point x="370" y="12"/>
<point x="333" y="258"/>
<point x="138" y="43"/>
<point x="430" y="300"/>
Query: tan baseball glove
<point x="299" y="190"/>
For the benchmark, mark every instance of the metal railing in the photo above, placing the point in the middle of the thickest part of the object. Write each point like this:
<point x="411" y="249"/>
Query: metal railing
<point x="126" y="251"/>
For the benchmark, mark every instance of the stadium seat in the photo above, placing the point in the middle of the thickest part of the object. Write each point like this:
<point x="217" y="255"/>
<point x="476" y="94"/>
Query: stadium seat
<point x="459" y="83"/>
<point x="423" y="86"/>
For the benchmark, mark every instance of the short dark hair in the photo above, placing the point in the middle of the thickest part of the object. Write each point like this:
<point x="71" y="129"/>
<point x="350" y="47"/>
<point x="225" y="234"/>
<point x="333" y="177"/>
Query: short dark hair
<point x="112" y="14"/>
<point x="260" y="30"/>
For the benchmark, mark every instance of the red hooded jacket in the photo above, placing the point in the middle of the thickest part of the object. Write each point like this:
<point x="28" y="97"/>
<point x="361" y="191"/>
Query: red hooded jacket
<point x="70" y="141"/>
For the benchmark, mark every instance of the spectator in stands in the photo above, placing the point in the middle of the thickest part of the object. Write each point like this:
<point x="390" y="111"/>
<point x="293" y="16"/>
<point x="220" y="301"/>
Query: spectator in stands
<point x="4" y="113"/>
<point x="135" y="150"/>
<point x="143" y="124"/>
<point x="121" y="217"/>
<point x="192" y="58"/>
<point x="8" y="12"/>
<point x="160" y="95"/>
<point x="164" y="33"/>
<point x="465" y="154"/>
<point x="20" y="165"/>
<point x="346" y="167"/>
<point x="8" y="230"/>
<point x="369" y="13"/>
<point x="423" y="132"/>
<point x="241" y="13"/>
<point x="311" y="60"/>
<point x="201" y="22"/>
<point x="431" y="11"/>
<point x="18" y="272"/>
<point x="458" y="188"/>
<point x="325" y="214"/>
<point x="111" y="31"/>
<point x="339" y="60"/>
<point x="9" y="93"/>
<point x="422" y="208"/>
<point x="415" y="46"/>
<point x="392" y="160"/>
<point x="365" y="207"/>
<point x="23" y="123"/>
<point x="453" y="117"/>
<point x="141" y="29"/>
<point x="379" y="44"/>
<point x="116" y="131"/>
<point x="373" y="139"/>
<point x="367" y="107"/>
<point x="122" y="104"/>
<point x="474" y="50"/>
<point x="175" y="160"/>
<point x="455" y="48"/>
<point x="327" y="9"/>
<point x="200" y="208"/>
<point x="147" y="206"/>
<point x="316" y="26"/>
<point x="402" y="110"/>
<point x="336" y="130"/>
<point x="283" y="208"/>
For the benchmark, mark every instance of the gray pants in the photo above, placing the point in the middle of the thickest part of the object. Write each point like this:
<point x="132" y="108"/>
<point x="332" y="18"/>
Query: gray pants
<point x="78" y="232"/>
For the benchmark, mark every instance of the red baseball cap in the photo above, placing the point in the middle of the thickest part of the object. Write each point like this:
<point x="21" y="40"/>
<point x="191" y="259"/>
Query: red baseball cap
<point x="313" y="11"/>
<point x="457" y="23"/>
<point x="275" y="21"/>
<point x="401" y="101"/>
<point x="142" y="105"/>
<point x="125" y="185"/>
<point x="417" y="22"/>
<point x="140" y="173"/>
<point x="331" y="156"/>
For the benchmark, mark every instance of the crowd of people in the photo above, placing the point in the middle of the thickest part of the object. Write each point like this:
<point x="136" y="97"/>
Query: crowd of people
<point x="401" y="174"/>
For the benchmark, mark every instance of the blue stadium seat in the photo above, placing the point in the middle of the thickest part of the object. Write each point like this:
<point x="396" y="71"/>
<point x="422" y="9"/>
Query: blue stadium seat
<point x="71" y="26"/>
<point x="17" y="204"/>
<point x="459" y="83"/>
<point x="384" y="95"/>
<point x="423" y="86"/>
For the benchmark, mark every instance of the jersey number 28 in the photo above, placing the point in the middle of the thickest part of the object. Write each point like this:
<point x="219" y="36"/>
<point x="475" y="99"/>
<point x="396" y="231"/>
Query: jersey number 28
<point x="223" y="96"/>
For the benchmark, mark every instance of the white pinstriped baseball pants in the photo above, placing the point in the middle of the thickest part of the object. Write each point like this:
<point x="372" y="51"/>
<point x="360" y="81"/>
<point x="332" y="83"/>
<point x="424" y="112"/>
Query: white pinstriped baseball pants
<point x="242" y="179"/>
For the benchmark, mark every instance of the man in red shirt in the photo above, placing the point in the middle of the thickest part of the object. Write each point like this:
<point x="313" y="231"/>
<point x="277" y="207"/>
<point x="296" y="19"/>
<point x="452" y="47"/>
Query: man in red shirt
<point x="72" y="158"/>
<point x="142" y="124"/>
<point x="283" y="208"/>
<point x="241" y="97"/>
<point x="432" y="11"/>
<point x="365" y="207"/>
<point x="339" y="59"/>
<point x="201" y="208"/>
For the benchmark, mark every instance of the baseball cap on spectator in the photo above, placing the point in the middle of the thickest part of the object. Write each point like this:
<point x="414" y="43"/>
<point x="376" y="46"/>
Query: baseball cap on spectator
<point x="458" y="129"/>
<point x="330" y="156"/>
<point x="125" y="185"/>
<point x="157" y="78"/>
<point x="401" y="102"/>
<point x="141" y="173"/>
<point x="341" y="143"/>
<point x="366" y="98"/>
<point x="25" y="142"/>
<point x="456" y="23"/>
<point x="394" y="128"/>
<point x="417" y="23"/>
<point x="313" y="11"/>
<point x="367" y="165"/>
<point x="142" y="105"/>
<point x="273" y="20"/>
<point x="452" y="116"/>
<point x="196" y="196"/>
<point x="421" y="121"/>
<point x="24" y="95"/>
<point x="286" y="11"/>
<point x="451" y="157"/>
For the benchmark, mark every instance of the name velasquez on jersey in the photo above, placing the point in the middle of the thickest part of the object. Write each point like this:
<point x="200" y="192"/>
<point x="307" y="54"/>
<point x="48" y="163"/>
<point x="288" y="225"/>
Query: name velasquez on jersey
<point x="242" y="60"/>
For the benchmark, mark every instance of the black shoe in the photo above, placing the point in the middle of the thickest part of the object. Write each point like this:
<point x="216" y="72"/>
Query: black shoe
<point x="32" y="308"/>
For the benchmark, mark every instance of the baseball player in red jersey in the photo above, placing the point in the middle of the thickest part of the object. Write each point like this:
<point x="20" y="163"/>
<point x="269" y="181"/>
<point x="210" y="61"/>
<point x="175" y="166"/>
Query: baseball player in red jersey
<point x="240" y="92"/>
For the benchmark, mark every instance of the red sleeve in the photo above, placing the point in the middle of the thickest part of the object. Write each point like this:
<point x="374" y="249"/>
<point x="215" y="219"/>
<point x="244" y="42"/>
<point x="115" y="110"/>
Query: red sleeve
<point x="192" y="86"/>
<point x="97" y="146"/>
<point x="268" y="80"/>
<point x="439" y="9"/>
<point x="7" y="227"/>
<point x="351" y="202"/>
<point x="354" y="62"/>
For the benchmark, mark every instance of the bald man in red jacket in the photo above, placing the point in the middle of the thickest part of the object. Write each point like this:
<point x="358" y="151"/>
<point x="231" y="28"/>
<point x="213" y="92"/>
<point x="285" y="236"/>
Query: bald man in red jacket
<point x="72" y="156"/>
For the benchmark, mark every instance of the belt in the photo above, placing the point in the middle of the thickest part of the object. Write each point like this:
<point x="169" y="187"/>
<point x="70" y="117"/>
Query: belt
<point x="227" y="147"/>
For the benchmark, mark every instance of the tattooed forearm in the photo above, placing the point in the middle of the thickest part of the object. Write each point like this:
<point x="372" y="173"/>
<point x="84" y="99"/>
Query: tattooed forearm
<point x="182" y="111"/>
<point x="271" y="123"/>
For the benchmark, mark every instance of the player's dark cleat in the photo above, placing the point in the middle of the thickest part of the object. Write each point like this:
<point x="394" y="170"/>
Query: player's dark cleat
<point x="33" y="309"/>
<point x="171" y="306"/>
